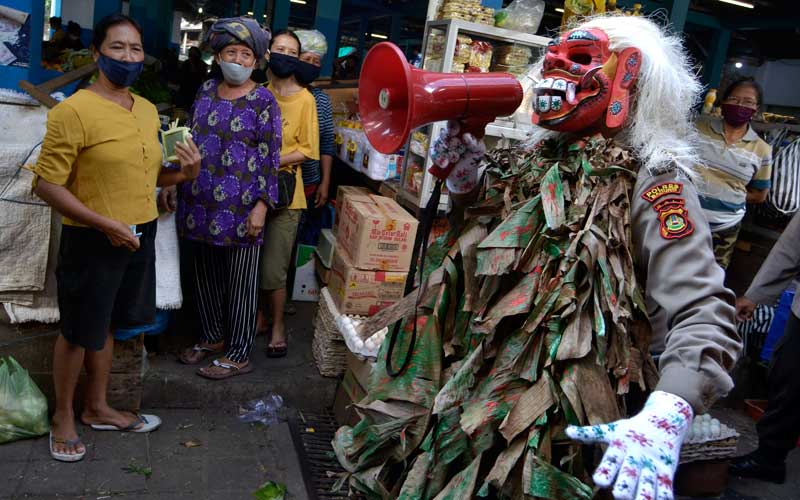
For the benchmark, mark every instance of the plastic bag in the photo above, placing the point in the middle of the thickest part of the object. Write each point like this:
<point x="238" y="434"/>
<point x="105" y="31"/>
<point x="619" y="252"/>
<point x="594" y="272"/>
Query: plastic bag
<point x="267" y="410"/>
<point x="521" y="15"/>
<point x="23" y="407"/>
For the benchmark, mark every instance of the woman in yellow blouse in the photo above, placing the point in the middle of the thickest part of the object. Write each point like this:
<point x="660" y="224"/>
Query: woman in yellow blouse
<point x="300" y="142"/>
<point x="99" y="167"/>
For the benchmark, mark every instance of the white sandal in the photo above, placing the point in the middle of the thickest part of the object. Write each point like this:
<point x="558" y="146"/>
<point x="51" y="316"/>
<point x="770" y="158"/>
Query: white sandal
<point x="150" y="423"/>
<point x="66" y="457"/>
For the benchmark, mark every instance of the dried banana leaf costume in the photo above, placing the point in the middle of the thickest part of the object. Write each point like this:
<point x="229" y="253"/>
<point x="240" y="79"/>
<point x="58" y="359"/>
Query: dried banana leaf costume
<point x="581" y="254"/>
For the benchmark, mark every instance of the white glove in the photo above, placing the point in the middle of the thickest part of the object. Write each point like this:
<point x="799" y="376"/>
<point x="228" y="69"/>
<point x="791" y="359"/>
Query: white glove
<point x="643" y="451"/>
<point x="461" y="153"/>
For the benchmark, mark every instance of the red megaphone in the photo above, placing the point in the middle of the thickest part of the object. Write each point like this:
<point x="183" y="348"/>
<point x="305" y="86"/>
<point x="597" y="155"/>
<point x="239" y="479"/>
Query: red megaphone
<point x="394" y="98"/>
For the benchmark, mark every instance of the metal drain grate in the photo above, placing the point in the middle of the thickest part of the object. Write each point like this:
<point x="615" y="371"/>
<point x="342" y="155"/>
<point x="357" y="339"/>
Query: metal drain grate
<point x="317" y="459"/>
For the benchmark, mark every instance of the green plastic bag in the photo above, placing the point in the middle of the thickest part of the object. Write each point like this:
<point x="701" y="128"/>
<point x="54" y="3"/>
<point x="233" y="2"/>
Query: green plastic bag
<point x="23" y="407"/>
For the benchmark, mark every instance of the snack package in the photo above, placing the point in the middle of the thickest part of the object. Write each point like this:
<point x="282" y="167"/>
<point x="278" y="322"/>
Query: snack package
<point x="480" y="57"/>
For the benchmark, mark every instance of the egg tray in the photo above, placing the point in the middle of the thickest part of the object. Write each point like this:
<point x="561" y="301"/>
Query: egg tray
<point x="328" y="346"/>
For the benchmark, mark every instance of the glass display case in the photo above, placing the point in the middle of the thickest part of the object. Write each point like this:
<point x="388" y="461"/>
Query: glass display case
<point x="458" y="46"/>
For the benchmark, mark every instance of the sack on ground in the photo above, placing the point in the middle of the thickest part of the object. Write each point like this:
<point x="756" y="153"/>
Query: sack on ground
<point x="23" y="407"/>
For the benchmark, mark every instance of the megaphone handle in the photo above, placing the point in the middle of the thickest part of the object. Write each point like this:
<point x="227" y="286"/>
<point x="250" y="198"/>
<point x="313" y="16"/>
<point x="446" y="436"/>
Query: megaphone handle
<point x="476" y="126"/>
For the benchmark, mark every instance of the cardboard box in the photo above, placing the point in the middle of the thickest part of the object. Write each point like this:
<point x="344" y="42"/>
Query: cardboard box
<point x="306" y="287"/>
<point x="348" y="393"/>
<point x="376" y="232"/>
<point x="341" y="195"/>
<point x="323" y="273"/>
<point x="360" y="292"/>
<point x="325" y="246"/>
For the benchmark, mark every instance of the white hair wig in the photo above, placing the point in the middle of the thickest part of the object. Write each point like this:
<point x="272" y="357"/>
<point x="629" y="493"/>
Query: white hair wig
<point x="659" y="126"/>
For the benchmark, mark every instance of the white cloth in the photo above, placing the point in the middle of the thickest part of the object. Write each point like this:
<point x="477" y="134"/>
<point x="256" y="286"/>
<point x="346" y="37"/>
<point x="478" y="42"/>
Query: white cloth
<point x="24" y="218"/>
<point x="168" y="268"/>
<point x="43" y="306"/>
<point x="643" y="451"/>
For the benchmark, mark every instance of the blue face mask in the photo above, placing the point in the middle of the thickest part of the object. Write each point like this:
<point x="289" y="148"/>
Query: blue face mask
<point x="120" y="73"/>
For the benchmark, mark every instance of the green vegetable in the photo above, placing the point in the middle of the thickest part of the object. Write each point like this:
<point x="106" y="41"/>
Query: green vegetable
<point x="270" y="491"/>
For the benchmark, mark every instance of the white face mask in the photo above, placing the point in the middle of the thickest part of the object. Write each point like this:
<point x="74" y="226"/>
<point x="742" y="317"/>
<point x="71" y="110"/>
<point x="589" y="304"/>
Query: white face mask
<point x="235" y="74"/>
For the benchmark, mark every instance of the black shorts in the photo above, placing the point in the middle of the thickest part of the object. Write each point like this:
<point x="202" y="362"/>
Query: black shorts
<point x="102" y="287"/>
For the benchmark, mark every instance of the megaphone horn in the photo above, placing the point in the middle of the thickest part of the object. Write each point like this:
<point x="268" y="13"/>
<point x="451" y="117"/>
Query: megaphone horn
<point x="394" y="97"/>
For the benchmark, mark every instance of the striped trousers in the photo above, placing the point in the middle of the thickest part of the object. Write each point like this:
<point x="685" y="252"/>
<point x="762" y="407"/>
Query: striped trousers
<point x="227" y="291"/>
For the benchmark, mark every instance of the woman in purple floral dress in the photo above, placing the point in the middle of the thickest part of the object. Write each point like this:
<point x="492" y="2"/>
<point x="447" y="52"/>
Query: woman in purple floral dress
<point x="237" y="126"/>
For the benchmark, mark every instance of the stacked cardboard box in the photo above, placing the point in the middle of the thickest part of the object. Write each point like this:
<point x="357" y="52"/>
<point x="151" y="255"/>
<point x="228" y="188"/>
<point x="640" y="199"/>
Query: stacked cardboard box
<point x="374" y="242"/>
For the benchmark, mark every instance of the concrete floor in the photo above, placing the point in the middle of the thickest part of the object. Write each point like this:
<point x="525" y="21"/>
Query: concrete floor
<point x="233" y="458"/>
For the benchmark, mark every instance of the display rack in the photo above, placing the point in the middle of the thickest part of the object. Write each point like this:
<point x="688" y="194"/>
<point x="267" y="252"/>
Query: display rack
<point x="415" y="192"/>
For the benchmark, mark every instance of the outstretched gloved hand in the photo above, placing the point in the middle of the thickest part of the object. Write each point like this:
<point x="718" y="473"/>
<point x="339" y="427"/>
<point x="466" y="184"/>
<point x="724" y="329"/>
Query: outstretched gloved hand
<point x="456" y="158"/>
<point x="643" y="451"/>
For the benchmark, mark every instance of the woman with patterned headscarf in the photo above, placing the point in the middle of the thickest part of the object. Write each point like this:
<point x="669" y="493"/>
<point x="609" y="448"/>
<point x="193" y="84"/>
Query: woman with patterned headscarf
<point x="237" y="126"/>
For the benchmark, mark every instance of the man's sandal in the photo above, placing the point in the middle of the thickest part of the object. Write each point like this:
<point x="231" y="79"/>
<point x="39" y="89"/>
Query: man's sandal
<point x="140" y="425"/>
<point x="231" y="370"/>
<point x="66" y="457"/>
<point x="197" y="354"/>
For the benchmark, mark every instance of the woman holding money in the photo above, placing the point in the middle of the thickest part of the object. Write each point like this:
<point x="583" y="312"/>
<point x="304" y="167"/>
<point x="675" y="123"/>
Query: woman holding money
<point x="99" y="167"/>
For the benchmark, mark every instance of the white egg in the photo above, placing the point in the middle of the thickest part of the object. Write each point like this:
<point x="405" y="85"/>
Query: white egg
<point x="359" y="344"/>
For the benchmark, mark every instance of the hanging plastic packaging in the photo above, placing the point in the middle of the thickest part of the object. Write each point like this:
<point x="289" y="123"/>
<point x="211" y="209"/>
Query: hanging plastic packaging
<point x="521" y="15"/>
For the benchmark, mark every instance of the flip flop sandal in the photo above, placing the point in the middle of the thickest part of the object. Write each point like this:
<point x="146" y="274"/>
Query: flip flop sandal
<point x="232" y="370"/>
<point x="207" y="351"/>
<point x="149" y="424"/>
<point x="278" y="351"/>
<point x="66" y="457"/>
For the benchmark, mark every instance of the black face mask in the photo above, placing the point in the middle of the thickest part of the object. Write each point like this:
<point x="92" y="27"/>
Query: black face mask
<point x="282" y="65"/>
<point x="306" y="72"/>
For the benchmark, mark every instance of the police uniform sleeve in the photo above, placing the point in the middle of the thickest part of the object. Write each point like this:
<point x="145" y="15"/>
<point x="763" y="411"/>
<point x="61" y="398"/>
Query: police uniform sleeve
<point x="691" y="311"/>
<point x="779" y="269"/>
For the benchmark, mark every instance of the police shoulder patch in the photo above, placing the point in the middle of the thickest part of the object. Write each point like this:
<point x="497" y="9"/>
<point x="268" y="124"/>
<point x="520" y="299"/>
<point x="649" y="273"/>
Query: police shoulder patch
<point x="674" y="218"/>
<point x="661" y="190"/>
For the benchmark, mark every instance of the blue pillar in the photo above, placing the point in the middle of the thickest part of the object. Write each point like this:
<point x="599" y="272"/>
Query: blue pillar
<point x="260" y="10"/>
<point x="245" y="6"/>
<point x="280" y="18"/>
<point x="712" y="69"/>
<point x="677" y="14"/>
<point x="102" y="8"/>
<point x="396" y="29"/>
<point x="156" y="21"/>
<point x="326" y="20"/>
<point x="229" y="10"/>
<point x="363" y="26"/>
<point x="10" y="75"/>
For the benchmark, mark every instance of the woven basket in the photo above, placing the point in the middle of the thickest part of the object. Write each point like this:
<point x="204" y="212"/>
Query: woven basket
<point x="328" y="347"/>
<point x="711" y="450"/>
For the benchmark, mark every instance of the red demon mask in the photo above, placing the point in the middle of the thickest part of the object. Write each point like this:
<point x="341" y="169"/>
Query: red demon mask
<point x="583" y="84"/>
